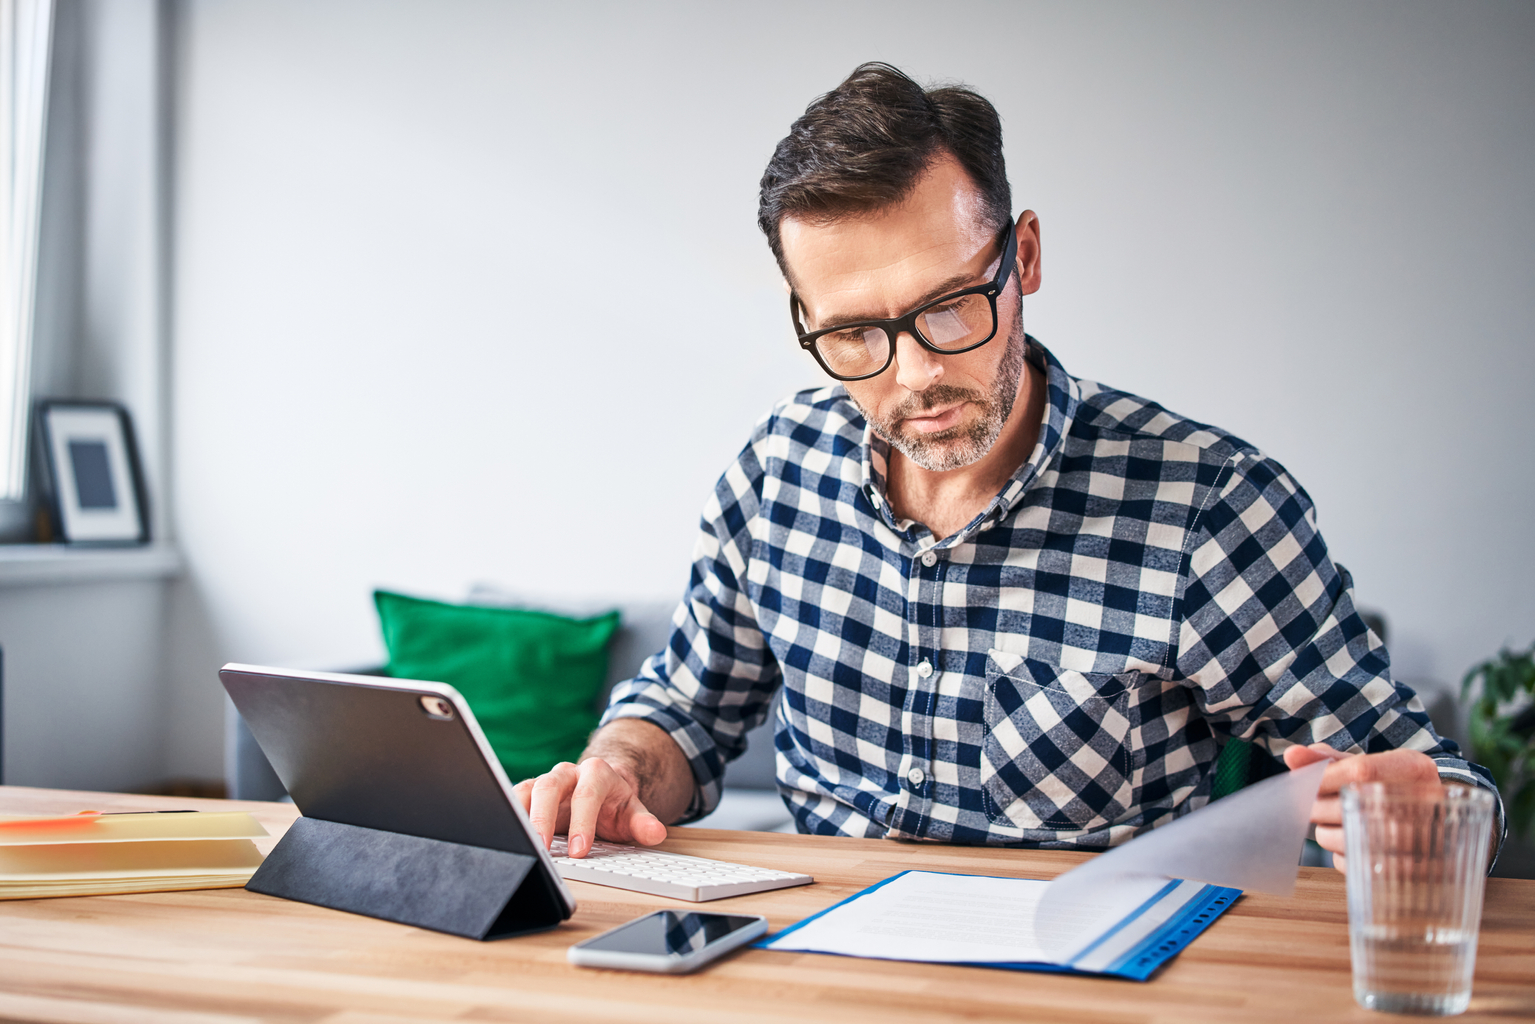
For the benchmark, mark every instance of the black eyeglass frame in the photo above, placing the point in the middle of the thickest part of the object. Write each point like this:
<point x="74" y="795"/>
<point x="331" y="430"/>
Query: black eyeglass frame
<point x="907" y="324"/>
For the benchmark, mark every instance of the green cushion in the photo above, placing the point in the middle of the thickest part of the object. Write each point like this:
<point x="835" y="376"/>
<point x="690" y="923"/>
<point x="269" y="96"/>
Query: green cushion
<point x="531" y="678"/>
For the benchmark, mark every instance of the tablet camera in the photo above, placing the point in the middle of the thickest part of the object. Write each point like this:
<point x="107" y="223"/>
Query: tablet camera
<point x="437" y="707"/>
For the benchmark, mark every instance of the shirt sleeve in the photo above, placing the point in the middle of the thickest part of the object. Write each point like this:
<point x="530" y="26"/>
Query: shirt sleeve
<point x="716" y="677"/>
<point x="1272" y="644"/>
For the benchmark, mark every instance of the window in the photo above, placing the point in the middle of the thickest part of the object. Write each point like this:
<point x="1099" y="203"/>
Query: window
<point x="26" y="29"/>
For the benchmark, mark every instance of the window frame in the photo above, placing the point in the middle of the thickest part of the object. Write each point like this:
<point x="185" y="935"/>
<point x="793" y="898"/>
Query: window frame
<point x="26" y="44"/>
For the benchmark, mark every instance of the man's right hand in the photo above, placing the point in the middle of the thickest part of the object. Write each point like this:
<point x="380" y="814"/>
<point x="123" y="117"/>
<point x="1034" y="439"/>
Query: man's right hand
<point x="588" y="801"/>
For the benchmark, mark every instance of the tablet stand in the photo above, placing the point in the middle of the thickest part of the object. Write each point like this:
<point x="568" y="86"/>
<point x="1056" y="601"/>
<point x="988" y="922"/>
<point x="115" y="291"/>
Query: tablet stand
<point x="449" y="887"/>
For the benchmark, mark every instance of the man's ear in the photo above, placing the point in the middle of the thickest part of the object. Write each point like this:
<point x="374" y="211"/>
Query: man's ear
<point x="1027" y="230"/>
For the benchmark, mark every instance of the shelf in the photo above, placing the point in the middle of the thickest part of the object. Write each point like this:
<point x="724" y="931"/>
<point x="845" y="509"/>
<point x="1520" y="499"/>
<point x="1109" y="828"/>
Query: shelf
<point x="25" y="565"/>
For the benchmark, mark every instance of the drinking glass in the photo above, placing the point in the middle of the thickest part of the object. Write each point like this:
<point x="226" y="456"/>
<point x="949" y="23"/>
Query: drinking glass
<point x="1417" y="866"/>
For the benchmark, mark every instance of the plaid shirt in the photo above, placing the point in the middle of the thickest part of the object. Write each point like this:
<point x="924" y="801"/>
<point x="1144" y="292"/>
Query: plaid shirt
<point x="1061" y="672"/>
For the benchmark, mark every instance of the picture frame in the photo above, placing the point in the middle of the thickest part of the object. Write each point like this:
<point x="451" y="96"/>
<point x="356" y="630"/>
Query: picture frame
<point x="92" y="479"/>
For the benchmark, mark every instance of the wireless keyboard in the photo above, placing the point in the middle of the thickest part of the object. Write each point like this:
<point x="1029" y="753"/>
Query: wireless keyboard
<point x="694" y="879"/>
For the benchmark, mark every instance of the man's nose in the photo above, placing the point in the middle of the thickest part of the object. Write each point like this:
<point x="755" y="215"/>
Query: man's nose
<point x="916" y="368"/>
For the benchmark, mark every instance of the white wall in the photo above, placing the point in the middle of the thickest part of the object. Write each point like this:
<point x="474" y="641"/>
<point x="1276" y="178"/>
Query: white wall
<point x="473" y="291"/>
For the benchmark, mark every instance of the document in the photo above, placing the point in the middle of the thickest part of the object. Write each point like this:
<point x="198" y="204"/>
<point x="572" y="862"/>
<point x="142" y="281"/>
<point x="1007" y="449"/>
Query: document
<point x="944" y="918"/>
<point x="1125" y="912"/>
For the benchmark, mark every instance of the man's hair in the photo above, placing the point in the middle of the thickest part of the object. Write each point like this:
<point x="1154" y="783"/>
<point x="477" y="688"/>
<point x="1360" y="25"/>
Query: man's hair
<point x="864" y="145"/>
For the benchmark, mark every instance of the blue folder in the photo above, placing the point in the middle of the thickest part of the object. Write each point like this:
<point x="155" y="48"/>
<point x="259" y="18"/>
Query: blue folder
<point x="1138" y="962"/>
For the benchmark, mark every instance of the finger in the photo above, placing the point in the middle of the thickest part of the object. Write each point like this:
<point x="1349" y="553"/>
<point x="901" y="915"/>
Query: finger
<point x="523" y="792"/>
<point x="1338" y="862"/>
<point x="598" y="788"/>
<point x="644" y="827"/>
<point x="1330" y="838"/>
<point x="1298" y="756"/>
<point x="1408" y="766"/>
<point x="1327" y="811"/>
<point x="549" y="803"/>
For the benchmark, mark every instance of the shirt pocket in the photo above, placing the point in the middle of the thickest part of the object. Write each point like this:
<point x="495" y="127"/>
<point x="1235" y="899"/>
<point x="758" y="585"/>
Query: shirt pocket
<point x="1057" y="753"/>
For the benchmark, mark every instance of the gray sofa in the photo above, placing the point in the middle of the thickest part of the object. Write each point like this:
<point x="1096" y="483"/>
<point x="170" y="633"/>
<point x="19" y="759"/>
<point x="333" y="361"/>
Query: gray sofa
<point x="750" y="800"/>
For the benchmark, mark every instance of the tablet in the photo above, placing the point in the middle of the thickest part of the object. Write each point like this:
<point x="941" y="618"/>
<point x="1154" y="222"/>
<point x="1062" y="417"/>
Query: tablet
<point x="395" y="755"/>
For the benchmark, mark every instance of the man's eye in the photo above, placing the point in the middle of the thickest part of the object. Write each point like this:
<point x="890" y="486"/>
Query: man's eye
<point x="960" y="304"/>
<point x="844" y="338"/>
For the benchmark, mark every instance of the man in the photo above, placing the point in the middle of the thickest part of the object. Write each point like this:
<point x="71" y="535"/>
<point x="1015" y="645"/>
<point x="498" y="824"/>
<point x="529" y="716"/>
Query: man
<point x="1004" y="605"/>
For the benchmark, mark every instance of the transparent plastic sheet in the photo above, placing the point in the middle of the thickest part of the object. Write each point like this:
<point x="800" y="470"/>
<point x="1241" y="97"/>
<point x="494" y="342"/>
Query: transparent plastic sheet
<point x="1250" y="840"/>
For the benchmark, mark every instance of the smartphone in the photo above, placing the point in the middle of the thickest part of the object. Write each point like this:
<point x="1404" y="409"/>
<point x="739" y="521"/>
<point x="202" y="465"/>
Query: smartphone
<point x="668" y="941"/>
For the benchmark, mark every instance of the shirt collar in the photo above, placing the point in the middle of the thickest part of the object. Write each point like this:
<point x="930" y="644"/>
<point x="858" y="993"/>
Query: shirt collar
<point x="1063" y="394"/>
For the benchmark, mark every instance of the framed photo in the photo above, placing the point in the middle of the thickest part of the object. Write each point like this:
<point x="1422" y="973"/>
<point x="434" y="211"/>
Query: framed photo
<point x="92" y="477"/>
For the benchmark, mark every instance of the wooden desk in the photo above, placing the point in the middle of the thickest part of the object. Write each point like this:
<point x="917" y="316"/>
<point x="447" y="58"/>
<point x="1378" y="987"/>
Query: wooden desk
<point x="226" y="955"/>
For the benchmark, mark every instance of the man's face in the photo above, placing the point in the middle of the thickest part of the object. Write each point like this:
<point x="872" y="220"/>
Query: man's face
<point x="940" y="411"/>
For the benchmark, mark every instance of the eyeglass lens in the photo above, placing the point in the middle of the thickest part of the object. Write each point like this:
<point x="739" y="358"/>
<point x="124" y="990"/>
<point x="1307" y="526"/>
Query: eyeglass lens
<point x="951" y="325"/>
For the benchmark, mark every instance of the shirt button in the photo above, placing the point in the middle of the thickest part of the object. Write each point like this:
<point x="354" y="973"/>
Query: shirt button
<point x="915" y="776"/>
<point x="929" y="559"/>
<point x="925" y="669"/>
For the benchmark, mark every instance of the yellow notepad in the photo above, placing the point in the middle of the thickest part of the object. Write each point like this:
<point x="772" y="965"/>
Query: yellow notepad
<point x="98" y="854"/>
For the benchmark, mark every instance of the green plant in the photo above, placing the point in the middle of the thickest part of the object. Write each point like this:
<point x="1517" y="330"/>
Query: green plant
<point x="1503" y="730"/>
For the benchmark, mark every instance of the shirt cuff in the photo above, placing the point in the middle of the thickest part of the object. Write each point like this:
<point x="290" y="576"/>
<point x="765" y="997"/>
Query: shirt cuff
<point x="1453" y="769"/>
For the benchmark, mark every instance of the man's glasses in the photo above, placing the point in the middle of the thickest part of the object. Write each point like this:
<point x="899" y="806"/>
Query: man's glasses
<point x="957" y="322"/>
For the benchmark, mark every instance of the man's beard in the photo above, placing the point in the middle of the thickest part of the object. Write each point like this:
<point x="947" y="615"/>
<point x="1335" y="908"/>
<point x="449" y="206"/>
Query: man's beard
<point x="958" y="446"/>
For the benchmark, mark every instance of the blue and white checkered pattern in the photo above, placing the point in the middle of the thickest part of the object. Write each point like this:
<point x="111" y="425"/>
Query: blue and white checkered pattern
<point x="1059" y="673"/>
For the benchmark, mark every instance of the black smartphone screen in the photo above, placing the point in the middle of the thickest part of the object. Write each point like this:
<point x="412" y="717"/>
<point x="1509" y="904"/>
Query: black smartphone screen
<point x="668" y="933"/>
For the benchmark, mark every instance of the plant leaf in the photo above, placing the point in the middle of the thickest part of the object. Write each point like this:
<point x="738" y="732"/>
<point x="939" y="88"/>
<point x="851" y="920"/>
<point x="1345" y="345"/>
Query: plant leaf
<point x="1469" y="679"/>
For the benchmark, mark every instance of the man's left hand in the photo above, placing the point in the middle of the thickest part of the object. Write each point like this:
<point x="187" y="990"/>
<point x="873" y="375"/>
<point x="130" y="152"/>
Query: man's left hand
<point x="1408" y="766"/>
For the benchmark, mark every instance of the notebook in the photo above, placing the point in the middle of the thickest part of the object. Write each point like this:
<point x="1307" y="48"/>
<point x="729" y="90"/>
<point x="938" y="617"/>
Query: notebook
<point x="92" y="854"/>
